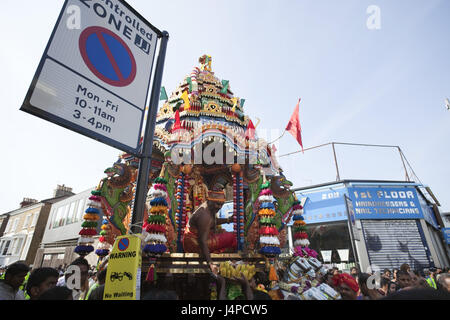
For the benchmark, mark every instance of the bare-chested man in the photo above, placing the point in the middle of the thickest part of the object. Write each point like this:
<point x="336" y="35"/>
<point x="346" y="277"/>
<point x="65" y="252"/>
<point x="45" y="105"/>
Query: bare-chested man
<point x="200" y="235"/>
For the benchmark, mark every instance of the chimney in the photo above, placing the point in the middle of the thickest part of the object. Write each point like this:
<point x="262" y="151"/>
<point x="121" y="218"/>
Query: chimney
<point x="27" y="202"/>
<point x="62" y="191"/>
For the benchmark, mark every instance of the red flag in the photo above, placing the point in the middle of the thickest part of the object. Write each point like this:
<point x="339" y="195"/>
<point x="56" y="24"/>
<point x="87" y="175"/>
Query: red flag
<point x="250" y="132"/>
<point x="294" y="127"/>
<point x="177" y="124"/>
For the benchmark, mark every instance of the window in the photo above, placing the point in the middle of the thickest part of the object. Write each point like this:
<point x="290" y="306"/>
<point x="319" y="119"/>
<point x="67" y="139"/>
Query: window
<point x="16" y="246"/>
<point x="55" y="217"/>
<point x="27" y="222"/>
<point x="13" y="246"/>
<point x="19" y="246"/>
<point x="71" y="214"/>
<point x="80" y="209"/>
<point x="8" y="226"/>
<point x="35" y="217"/>
<point x="59" y="216"/>
<point x="6" y="247"/>
<point x="14" y="226"/>
<point x="63" y="216"/>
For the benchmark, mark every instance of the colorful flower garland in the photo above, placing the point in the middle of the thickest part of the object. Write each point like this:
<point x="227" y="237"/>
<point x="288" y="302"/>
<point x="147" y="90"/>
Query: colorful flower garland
<point x="238" y="206"/>
<point x="268" y="240"/>
<point x="89" y="225"/>
<point x="103" y="247"/>
<point x="301" y="242"/>
<point x="155" y="226"/>
<point x="181" y="214"/>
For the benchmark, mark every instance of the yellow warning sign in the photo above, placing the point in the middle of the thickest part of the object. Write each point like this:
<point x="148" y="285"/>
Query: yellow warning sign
<point x="123" y="276"/>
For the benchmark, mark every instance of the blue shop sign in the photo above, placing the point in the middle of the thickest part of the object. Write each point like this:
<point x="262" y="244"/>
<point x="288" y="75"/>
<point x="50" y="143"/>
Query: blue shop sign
<point x="385" y="203"/>
<point x="428" y="213"/>
<point x="446" y="233"/>
<point x="325" y="205"/>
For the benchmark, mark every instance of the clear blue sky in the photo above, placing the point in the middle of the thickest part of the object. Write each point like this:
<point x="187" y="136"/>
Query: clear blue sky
<point x="383" y="86"/>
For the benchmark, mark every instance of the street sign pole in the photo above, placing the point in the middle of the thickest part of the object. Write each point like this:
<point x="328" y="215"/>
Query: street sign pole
<point x="147" y="144"/>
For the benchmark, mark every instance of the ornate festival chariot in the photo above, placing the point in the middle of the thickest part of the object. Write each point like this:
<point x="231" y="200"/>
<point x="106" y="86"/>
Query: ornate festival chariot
<point x="203" y="143"/>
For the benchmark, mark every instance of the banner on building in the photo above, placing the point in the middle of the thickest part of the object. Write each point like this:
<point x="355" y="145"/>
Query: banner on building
<point x="385" y="203"/>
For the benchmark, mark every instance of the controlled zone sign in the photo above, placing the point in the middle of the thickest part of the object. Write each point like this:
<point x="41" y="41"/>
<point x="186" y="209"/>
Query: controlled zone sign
<point x="123" y="275"/>
<point x="95" y="74"/>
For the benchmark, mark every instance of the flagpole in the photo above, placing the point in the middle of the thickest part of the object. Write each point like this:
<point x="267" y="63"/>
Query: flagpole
<point x="278" y="138"/>
<point x="285" y="129"/>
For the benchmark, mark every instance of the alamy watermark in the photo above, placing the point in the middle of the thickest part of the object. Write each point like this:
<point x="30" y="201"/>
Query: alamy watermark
<point x="73" y="277"/>
<point x="374" y="281"/>
<point x="73" y="22"/>
<point x="227" y="148"/>
<point x="373" y="22"/>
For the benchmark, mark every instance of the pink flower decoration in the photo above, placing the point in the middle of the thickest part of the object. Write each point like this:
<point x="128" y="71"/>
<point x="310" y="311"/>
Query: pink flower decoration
<point x="266" y="192"/>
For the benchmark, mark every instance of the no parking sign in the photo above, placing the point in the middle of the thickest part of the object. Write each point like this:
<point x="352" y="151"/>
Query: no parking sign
<point x="107" y="56"/>
<point x="94" y="78"/>
<point x="123" y="276"/>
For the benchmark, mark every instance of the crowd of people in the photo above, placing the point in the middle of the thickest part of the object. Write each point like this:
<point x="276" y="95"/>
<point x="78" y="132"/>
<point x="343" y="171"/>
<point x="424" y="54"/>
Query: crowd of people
<point x="18" y="282"/>
<point x="402" y="283"/>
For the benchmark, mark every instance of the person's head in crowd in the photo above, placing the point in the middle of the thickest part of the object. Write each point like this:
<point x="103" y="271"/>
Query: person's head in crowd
<point x="418" y="294"/>
<point x="414" y="278"/>
<point x="418" y="280"/>
<point x="83" y="264"/>
<point x="57" y="293"/>
<point x="405" y="267"/>
<point x="347" y="286"/>
<point x="362" y="282"/>
<point x="15" y="274"/>
<point x="41" y="280"/>
<point x="394" y="274"/>
<point x="335" y="271"/>
<point x="392" y="287"/>
<point x="387" y="273"/>
<point x="354" y="272"/>
<point x="384" y="285"/>
<point x="328" y="279"/>
<point x="369" y="287"/>
<point x="444" y="282"/>
<point x="403" y="279"/>
<point x="101" y="276"/>
<point x="433" y="272"/>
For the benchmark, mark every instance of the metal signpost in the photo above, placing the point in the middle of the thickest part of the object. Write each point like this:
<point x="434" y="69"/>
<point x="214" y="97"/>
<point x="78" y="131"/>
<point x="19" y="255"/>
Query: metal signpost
<point x="94" y="79"/>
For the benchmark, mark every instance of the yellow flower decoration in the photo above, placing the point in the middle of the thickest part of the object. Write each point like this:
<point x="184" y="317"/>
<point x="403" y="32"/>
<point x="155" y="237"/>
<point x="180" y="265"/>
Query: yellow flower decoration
<point x="266" y="212"/>
<point x="159" y="209"/>
<point x="91" y="217"/>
